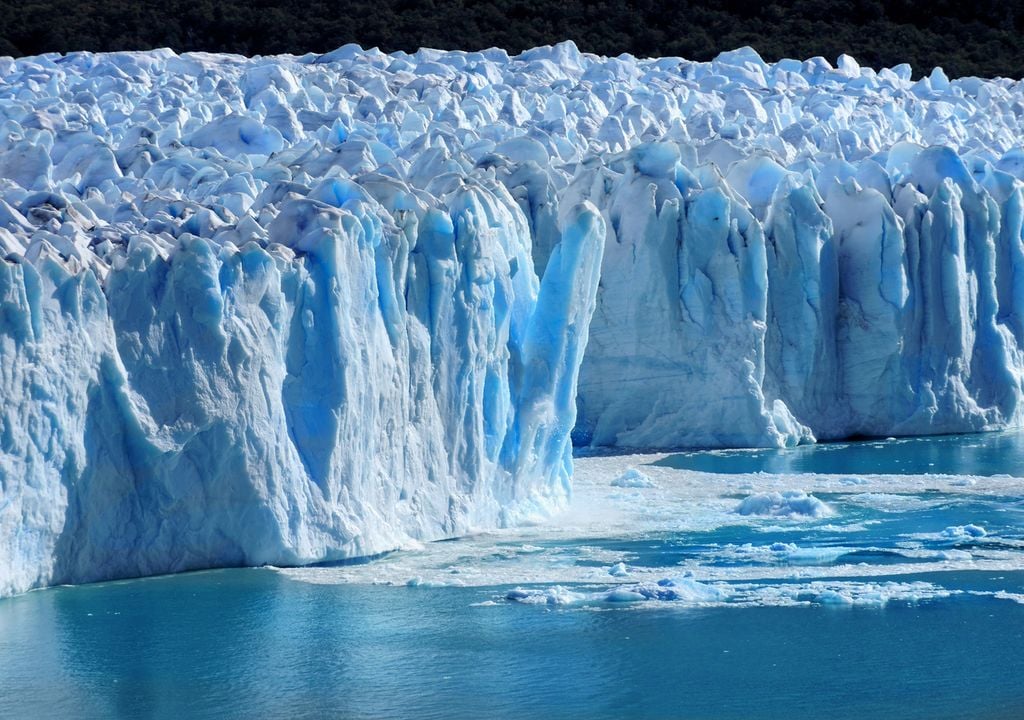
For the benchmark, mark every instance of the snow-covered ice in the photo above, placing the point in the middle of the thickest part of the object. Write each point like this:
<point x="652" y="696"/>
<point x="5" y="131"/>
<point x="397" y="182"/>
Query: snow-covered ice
<point x="289" y="309"/>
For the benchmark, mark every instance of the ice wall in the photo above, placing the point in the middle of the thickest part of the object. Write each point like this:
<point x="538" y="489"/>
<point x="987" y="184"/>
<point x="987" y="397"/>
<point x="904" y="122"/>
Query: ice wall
<point x="796" y="251"/>
<point x="234" y="333"/>
<point x="289" y="309"/>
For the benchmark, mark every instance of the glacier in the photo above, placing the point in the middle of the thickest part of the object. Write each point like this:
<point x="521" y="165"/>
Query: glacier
<point x="231" y="341"/>
<point x="296" y="309"/>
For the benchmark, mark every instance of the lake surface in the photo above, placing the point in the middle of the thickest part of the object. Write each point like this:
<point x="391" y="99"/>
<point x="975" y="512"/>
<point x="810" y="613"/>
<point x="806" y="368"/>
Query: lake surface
<point x="857" y="590"/>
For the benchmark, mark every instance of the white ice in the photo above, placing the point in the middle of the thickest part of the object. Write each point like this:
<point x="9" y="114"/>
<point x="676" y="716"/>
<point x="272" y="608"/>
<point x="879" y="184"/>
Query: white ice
<point x="633" y="478"/>
<point x="787" y="503"/>
<point x="289" y="309"/>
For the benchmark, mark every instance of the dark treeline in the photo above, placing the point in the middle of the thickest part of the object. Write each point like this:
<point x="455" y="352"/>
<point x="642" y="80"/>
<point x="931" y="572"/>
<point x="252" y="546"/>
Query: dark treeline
<point x="976" y="37"/>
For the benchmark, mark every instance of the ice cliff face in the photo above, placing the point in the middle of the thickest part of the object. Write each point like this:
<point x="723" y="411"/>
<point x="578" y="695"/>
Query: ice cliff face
<point x="283" y="310"/>
<point x="236" y="328"/>
<point x="795" y="251"/>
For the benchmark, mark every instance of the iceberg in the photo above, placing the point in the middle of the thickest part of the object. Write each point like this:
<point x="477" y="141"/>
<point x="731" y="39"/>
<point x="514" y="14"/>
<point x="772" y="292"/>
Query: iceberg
<point x="297" y="309"/>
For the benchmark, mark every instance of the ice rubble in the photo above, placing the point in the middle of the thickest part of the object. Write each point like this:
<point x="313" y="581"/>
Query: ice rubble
<point x="278" y="310"/>
<point x="686" y="592"/>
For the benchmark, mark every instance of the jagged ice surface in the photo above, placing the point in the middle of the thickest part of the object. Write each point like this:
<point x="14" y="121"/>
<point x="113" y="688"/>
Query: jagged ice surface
<point x="212" y="356"/>
<point x="280" y="310"/>
<point x="800" y="252"/>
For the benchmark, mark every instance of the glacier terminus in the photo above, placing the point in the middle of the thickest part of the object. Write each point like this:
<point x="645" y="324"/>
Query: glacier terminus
<point x="285" y="310"/>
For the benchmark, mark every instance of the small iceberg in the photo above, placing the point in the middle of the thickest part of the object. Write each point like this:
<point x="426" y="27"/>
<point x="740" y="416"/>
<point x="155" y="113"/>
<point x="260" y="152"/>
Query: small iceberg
<point x="633" y="478"/>
<point x="791" y="503"/>
<point x="964" y="532"/>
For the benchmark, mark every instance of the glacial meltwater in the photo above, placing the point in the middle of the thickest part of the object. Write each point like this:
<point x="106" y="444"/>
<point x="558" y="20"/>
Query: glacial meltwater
<point x="859" y="580"/>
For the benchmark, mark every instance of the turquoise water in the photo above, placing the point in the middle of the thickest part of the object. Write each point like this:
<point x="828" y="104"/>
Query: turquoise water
<point x="253" y="644"/>
<point x="981" y="454"/>
<point x="906" y="604"/>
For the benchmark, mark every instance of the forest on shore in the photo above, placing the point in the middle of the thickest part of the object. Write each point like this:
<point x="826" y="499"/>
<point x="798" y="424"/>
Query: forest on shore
<point x="983" y="37"/>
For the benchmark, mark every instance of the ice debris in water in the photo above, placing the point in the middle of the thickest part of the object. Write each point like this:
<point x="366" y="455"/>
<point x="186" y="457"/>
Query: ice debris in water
<point x="687" y="592"/>
<point x="785" y="504"/>
<point x="618" y="570"/>
<point x="682" y="590"/>
<point x="633" y="478"/>
<point x="964" y="532"/>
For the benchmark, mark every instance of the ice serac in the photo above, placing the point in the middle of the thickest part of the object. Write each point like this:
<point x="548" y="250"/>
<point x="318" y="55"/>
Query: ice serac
<point x="803" y="302"/>
<point x="676" y="355"/>
<point x="796" y="251"/>
<point x="842" y="333"/>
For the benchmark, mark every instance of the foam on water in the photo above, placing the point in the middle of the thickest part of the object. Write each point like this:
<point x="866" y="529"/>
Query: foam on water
<point x="683" y="540"/>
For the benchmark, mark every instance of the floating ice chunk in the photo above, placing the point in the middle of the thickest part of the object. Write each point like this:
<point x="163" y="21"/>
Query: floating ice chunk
<point x="964" y="532"/>
<point x="894" y="503"/>
<point x="787" y="553"/>
<point x="1006" y="595"/>
<point x="817" y="555"/>
<point x="618" y="570"/>
<point x="955" y="555"/>
<point x="846" y="593"/>
<point x="633" y="478"/>
<point x="624" y="595"/>
<point x="833" y="597"/>
<point x="555" y="595"/>
<point x="687" y="592"/>
<point x="687" y="589"/>
<point x="791" y="503"/>
<point x="853" y="480"/>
